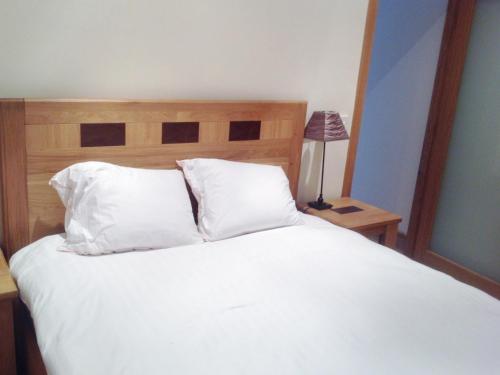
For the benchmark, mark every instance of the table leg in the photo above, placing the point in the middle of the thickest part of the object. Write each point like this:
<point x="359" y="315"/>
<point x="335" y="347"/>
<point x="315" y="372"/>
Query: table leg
<point x="390" y="235"/>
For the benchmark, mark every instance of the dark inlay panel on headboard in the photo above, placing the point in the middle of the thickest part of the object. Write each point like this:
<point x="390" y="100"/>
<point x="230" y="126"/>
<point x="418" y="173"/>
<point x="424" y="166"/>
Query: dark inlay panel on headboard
<point x="244" y="130"/>
<point x="180" y="132"/>
<point x="102" y="134"/>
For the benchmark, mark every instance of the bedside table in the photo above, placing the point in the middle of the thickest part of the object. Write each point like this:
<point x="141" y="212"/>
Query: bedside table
<point x="8" y="292"/>
<point x="360" y="217"/>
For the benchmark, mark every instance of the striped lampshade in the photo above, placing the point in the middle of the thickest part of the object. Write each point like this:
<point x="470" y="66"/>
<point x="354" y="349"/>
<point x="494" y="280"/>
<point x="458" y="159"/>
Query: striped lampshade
<point x="325" y="126"/>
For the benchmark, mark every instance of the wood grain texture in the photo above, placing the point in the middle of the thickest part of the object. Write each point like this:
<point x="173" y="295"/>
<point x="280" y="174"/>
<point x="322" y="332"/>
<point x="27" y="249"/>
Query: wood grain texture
<point x="276" y="130"/>
<point x="161" y="156"/>
<point x="54" y="145"/>
<point x="80" y="111"/>
<point x="390" y="236"/>
<point x="461" y="273"/>
<point x="52" y="137"/>
<point x="370" y="221"/>
<point x="296" y="141"/>
<point x="142" y="134"/>
<point x="8" y="292"/>
<point x="8" y="289"/>
<point x="364" y="68"/>
<point x="370" y="216"/>
<point x="13" y="176"/>
<point x="39" y="138"/>
<point x="215" y="132"/>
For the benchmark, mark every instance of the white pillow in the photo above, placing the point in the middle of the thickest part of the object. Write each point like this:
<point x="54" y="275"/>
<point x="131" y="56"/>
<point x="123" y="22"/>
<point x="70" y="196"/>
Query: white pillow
<point x="111" y="208"/>
<point x="236" y="198"/>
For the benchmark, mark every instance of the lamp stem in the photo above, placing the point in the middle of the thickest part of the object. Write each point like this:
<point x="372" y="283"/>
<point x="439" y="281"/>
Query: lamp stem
<point x="320" y="199"/>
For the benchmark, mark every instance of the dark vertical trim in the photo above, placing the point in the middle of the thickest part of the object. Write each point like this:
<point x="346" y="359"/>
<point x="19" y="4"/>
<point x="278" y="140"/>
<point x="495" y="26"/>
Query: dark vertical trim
<point x="364" y="68"/>
<point x="440" y="123"/>
<point x="15" y="222"/>
<point x="454" y="47"/>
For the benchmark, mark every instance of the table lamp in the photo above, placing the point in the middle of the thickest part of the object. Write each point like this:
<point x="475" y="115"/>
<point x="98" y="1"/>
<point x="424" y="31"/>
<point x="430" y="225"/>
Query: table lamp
<point x="324" y="126"/>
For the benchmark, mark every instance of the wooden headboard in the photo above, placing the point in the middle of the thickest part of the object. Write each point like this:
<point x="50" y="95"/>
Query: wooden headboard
<point x="41" y="137"/>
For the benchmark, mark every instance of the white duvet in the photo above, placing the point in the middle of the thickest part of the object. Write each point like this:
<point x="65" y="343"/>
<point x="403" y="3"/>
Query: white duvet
<point x="310" y="299"/>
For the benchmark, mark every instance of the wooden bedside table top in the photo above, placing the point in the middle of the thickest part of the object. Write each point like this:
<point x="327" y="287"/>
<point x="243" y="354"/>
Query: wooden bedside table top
<point x="369" y="217"/>
<point x="8" y="289"/>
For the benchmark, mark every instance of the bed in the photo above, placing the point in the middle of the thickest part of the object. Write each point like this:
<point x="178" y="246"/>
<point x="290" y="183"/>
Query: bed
<point x="308" y="299"/>
<point x="305" y="299"/>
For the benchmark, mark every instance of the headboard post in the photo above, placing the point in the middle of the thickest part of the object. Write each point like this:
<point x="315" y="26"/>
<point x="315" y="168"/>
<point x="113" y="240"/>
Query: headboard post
<point x="15" y="223"/>
<point x="297" y="140"/>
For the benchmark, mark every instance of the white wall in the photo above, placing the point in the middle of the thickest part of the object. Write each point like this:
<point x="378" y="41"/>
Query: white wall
<point x="219" y="49"/>
<point x="401" y="79"/>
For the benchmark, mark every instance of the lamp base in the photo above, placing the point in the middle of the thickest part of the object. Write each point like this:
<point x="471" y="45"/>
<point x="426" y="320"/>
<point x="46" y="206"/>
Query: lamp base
<point x="319" y="205"/>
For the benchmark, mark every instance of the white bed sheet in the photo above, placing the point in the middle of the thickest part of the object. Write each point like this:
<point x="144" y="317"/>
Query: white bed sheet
<point x="310" y="299"/>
